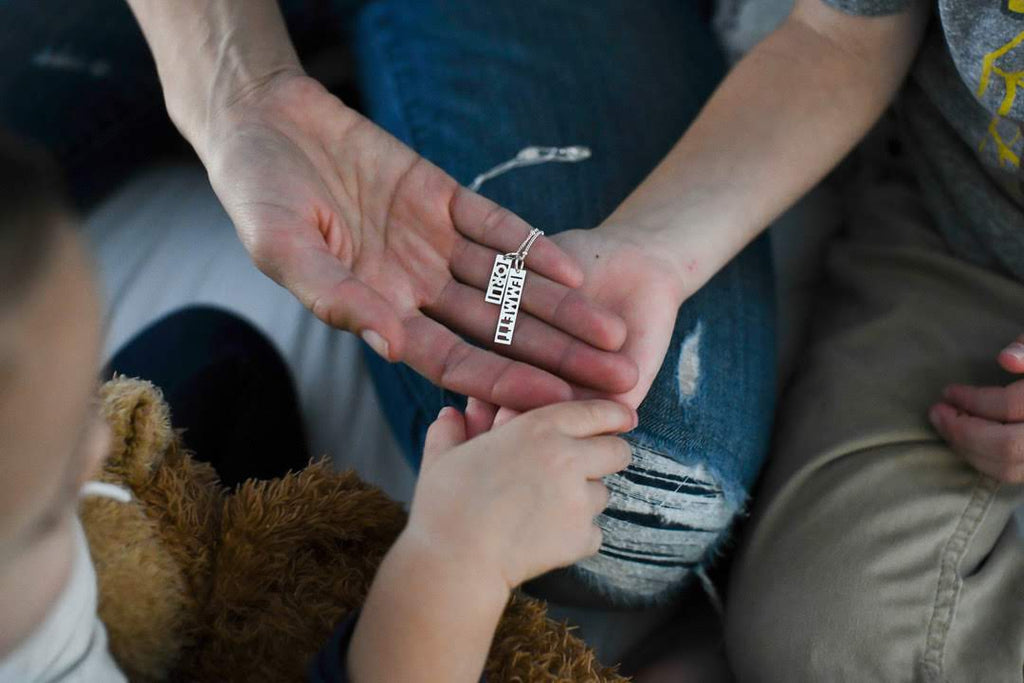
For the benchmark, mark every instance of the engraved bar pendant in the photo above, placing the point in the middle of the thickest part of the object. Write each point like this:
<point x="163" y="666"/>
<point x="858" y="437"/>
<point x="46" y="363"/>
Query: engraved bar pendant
<point x="499" y="273"/>
<point x="513" y="295"/>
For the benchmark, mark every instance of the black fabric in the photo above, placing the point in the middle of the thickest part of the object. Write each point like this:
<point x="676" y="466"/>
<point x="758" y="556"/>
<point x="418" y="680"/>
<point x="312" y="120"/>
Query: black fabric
<point x="329" y="665"/>
<point x="79" y="80"/>
<point x="227" y="387"/>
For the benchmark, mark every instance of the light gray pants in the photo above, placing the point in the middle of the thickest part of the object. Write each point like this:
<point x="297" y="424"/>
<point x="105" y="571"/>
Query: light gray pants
<point x="875" y="553"/>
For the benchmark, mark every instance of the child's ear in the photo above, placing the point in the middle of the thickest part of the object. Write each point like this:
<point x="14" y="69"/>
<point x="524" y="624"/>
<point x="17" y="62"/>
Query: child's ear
<point x="447" y="432"/>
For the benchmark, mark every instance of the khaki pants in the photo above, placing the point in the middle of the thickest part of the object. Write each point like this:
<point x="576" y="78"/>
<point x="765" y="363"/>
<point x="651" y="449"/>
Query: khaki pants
<point x="874" y="552"/>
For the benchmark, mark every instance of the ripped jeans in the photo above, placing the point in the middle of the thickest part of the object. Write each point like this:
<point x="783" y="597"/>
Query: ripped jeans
<point x="467" y="85"/>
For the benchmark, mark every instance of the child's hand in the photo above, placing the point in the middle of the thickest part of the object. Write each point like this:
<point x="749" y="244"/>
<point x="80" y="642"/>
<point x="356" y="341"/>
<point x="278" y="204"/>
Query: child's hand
<point x="521" y="499"/>
<point x="488" y="514"/>
<point x="985" y="425"/>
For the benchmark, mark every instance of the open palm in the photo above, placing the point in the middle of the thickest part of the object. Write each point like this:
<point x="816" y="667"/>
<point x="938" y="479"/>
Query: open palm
<point x="629" y="280"/>
<point x="374" y="239"/>
<point x="638" y="285"/>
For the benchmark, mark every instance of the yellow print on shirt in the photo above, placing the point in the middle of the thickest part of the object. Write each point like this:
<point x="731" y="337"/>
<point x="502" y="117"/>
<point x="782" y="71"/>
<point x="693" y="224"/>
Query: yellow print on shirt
<point x="1012" y="80"/>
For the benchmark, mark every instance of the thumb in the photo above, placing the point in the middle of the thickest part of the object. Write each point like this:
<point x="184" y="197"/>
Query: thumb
<point x="342" y="300"/>
<point x="447" y="432"/>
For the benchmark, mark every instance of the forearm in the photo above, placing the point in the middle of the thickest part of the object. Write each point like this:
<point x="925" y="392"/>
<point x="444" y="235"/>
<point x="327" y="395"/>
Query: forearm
<point x="425" y="619"/>
<point x="780" y="121"/>
<point x="210" y="53"/>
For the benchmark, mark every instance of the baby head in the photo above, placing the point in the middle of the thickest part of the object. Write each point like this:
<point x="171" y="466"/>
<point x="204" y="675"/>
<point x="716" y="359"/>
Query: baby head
<point x="51" y="437"/>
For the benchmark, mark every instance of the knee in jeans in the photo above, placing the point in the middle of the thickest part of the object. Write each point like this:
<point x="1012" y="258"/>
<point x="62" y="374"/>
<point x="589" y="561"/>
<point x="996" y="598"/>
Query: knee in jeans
<point x="662" y="526"/>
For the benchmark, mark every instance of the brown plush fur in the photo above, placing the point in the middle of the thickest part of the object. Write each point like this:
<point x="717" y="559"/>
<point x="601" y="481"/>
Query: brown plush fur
<point x="200" y="584"/>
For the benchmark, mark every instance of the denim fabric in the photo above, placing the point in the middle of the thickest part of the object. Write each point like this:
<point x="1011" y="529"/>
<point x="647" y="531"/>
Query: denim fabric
<point x="467" y="85"/>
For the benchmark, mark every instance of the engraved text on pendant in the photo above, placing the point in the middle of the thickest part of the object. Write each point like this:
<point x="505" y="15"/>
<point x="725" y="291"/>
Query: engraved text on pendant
<point x="513" y="295"/>
<point x="499" y="273"/>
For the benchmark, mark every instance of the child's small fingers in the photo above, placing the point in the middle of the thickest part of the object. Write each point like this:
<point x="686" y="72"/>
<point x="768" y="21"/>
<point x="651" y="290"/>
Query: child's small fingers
<point x="993" y="448"/>
<point x="1002" y="404"/>
<point x="479" y="417"/>
<point x="589" y="418"/>
<point x="594" y="540"/>
<point x="447" y="431"/>
<point x="1011" y="358"/>
<point x="597" y="497"/>
<point x="504" y="416"/>
<point x="604" y="455"/>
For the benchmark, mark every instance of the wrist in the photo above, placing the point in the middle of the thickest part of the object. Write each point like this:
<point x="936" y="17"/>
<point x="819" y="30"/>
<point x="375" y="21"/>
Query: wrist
<point x="426" y="618"/>
<point x="209" y="55"/>
<point x="451" y="568"/>
<point x="683" y="268"/>
<point x="203" y="106"/>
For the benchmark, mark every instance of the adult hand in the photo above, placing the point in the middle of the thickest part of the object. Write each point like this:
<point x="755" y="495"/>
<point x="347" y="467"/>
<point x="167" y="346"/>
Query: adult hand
<point x="639" y="284"/>
<point x="985" y="425"/>
<point x="374" y="239"/>
<point x="634" y="281"/>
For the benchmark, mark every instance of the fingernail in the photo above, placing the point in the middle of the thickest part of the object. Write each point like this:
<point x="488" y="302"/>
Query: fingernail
<point x="1016" y="349"/>
<point x="376" y="342"/>
<point x="933" y="416"/>
<point x="441" y="413"/>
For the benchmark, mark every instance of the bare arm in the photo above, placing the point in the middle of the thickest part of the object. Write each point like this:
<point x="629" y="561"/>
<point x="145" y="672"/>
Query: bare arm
<point x="210" y="53"/>
<point x="780" y="121"/>
<point x="488" y="514"/>
<point x="427" y="617"/>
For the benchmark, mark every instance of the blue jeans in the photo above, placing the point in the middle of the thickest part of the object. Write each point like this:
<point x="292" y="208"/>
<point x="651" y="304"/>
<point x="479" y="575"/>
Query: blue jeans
<point x="468" y="84"/>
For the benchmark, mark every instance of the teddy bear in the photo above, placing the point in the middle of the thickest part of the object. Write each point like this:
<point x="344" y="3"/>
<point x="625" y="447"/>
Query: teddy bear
<point x="199" y="583"/>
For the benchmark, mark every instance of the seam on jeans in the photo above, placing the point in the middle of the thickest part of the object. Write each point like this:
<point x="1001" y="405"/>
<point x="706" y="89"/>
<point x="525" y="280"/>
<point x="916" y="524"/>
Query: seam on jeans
<point x="950" y="583"/>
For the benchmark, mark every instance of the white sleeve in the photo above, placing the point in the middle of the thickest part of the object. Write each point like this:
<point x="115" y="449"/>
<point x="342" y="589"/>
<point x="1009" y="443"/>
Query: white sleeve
<point x="70" y="646"/>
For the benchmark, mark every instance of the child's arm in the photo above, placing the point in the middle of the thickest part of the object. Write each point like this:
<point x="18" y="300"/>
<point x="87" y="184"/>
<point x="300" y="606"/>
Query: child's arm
<point x="985" y="425"/>
<point x="782" y="118"/>
<point x="487" y="515"/>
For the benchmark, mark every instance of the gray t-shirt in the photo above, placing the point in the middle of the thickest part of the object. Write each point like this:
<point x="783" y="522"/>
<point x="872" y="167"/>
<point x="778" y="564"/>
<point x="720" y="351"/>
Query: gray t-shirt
<point x="961" y="113"/>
